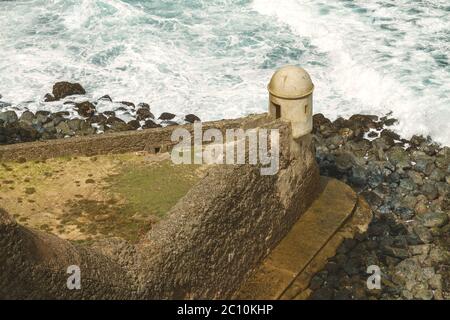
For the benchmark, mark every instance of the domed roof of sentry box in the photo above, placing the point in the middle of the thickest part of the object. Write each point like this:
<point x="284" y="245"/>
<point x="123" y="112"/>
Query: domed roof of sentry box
<point x="291" y="82"/>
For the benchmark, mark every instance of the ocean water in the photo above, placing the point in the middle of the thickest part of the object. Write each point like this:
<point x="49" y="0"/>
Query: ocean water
<point x="214" y="58"/>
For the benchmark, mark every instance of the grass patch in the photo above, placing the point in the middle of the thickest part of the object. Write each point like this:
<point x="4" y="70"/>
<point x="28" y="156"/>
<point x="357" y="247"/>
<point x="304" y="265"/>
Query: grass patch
<point x="153" y="189"/>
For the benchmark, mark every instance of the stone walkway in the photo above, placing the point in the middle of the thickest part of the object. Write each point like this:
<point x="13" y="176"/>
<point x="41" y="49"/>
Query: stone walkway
<point x="336" y="214"/>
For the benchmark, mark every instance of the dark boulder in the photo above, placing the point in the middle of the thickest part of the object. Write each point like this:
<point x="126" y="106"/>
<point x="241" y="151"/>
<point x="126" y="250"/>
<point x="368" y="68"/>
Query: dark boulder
<point x="8" y="117"/>
<point x="134" y="124"/>
<point x="74" y="124"/>
<point x="144" y="105"/>
<point x="166" y="116"/>
<point x="143" y="114"/>
<point x="49" y="98"/>
<point x="149" y="124"/>
<point x="105" y="98"/>
<point x="85" y="109"/>
<point x="27" y="117"/>
<point x="128" y="104"/>
<point x="64" y="89"/>
<point x="114" y="120"/>
<point x="98" y="118"/>
<point x="191" y="118"/>
<point x="62" y="114"/>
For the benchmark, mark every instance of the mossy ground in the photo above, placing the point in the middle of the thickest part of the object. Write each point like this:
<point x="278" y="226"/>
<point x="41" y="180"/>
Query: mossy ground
<point x="88" y="198"/>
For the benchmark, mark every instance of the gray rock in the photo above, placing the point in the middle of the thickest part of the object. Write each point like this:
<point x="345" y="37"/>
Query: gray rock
<point x="434" y="219"/>
<point x="416" y="177"/>
<point x="344" y="161"/>
<point x="423" y="233"/>
<point x="75" y="124"/>
<point x="398" y="157"/>
<point x="8" y="117"/>
<point x="27" y="116"/>
<point x="166" y="116"/>
<point x="144" y="105"/>
<point x="424" y="164"/>
<point x="105" y="98"/>
<point x="430" y="191"/>
<point x="64" y="129"/>
<point x="64" y="89"/>
<point x="191" y="118"/>
<point x="437" y="175"/>
<point x="149" y="124"/>
<point x="128" y="104"/>
<point x="85" y="109"/>
<point x="408" y="184"/>
<point x="134" y="124"/>
<point x="143" y="114"/>
<point x="358" y="176"/>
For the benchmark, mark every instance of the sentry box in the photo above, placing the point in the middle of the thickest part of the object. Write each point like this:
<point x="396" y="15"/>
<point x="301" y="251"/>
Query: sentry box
<point x="291" y="98"/>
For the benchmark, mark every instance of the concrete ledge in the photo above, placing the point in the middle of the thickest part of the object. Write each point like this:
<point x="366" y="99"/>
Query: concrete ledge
<point x="336" y="214"/>
<point x="153" y="140"/>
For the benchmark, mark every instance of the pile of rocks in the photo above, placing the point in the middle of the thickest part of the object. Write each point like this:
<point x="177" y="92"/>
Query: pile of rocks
<point x="407" y="184"/>
<point x="84" y="118"/>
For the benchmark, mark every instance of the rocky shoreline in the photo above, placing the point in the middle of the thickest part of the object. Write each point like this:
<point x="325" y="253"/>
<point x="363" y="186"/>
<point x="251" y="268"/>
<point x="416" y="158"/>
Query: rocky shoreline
<point x="407" y="184"/>
<point x="81" y="117"/>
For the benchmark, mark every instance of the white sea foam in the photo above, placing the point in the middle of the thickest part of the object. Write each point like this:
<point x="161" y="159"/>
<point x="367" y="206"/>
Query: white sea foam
<point x="214" y="57"/>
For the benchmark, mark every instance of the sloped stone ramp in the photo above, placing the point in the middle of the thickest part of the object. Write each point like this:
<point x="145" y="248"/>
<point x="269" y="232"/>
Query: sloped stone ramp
<point x="338" y="213"/>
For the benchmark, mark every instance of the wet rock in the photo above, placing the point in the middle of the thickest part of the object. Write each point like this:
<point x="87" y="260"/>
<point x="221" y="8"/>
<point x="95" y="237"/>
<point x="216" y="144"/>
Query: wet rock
<point x="114" y="120"/>
<point x="437" y="175"/>
<point x="117" y="124"/>
<point x="143" y="114"/>
<point x="389" y="134"/>
<point x="408" y="184"/>
<point x="109" y="113"/>
<point x="166" y="116"/>
<point x="423" y="163"/>
<point x="64" y="89"/>
<point x="430" y="191"/>
<point x="105" y="98"/>
<point x="191" y="118"/>
<point x="423" y="233"/>
<point x="74" y="124"/>
<point x="27" y="117"/>
<point x="323" y="294"/>
<point x="134" y="124"/>
<point x="49" y="98"/>
<point x="319" y="119"/>
<point x="358" y="176"/>
<point x="416" y="177"/>
<point x="398" y="157"/>
<point x="434" y="219"/>
<point x="98" y="118"/>
<point x="8" y="117"/>
<point x="128" y="104"/>
<point x="144" y="105"/>
<point x="64" y="129"/>
<point x="85" y="109"/>
<point x="149" y="124"/>
<point x="62" y="114"/>
<point x="344" y="161"/>
<point x="417" y="140"/>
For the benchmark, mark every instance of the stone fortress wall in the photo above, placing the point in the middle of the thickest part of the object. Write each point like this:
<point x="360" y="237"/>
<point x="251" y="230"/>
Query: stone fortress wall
<point x="207" y="246"/>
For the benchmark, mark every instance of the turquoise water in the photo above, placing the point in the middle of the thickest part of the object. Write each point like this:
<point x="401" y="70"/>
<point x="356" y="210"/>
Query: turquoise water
<point x="214" y="58"/>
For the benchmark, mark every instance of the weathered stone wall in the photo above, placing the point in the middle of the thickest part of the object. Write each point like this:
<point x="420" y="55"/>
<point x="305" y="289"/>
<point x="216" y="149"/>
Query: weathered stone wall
<point x="119" y="142"/>
<point x="210" y="241"/>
